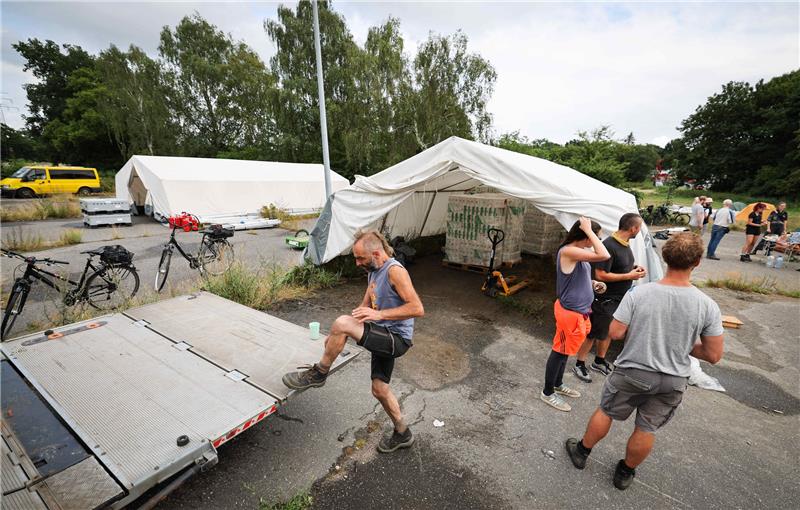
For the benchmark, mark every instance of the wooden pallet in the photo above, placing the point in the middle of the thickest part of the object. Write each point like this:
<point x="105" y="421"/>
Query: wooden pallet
<point x="472" y="268"/>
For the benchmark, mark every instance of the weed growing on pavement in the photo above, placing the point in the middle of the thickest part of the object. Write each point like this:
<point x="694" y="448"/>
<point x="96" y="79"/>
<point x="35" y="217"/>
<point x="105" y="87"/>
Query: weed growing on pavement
<point x="764" y="285"/>
<point x="300" y="501"/>
<point x="71" y="236"/>
<point x="24" y="240"/>
<point x="264" y="287"/>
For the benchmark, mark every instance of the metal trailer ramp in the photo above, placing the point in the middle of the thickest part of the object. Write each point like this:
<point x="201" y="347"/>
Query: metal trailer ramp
<point x="131" y="385"/>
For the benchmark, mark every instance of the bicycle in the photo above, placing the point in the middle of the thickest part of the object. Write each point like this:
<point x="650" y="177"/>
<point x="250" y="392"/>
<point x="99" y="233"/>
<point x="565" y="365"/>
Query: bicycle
<point x="662" y="215"/>
<point x="104" y="285"/>
<point x="214" y="256"/>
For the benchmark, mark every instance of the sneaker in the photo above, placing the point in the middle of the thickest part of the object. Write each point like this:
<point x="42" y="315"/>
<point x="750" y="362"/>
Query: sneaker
<point x="309" y="378"/>
<point x="578" y="459"/>
<point x="395" y="441"/>
<point x="712" y="257"/>
<point x="567" y="391"/>
<point x="556" y="401"/>
<point x="622" y="478"/>
<point x="581" y="373"/>
<point x="603" y="367"/>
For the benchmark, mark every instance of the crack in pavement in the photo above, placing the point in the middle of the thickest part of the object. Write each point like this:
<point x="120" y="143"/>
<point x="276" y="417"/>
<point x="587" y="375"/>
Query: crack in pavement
<point x="286" y="417"/>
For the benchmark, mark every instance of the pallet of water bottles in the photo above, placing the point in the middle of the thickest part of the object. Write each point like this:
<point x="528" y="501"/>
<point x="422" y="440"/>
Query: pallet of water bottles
<point x="99" y="212"/>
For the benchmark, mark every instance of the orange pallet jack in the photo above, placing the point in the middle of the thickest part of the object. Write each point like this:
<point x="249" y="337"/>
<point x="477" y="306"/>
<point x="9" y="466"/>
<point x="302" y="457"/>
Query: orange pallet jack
<point x="495" y="283"/>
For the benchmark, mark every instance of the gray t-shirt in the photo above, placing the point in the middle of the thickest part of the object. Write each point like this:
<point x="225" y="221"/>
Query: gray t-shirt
<point x="698" y="215"/>
<point x="664" y="322"/>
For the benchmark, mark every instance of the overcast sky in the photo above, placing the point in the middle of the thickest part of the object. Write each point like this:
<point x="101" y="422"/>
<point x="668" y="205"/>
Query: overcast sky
<point x="562" y="67"/>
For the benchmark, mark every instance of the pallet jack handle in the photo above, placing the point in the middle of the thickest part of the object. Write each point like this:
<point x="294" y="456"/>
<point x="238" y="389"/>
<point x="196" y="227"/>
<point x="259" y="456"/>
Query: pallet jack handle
<point x="496" y="237"/>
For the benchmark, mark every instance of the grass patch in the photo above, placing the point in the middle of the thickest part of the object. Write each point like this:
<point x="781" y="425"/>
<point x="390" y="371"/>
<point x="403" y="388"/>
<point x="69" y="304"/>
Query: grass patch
<point x="266" y="286"/>
<point x="23" y="240"/>
<point x="767" y="285"/>
<point x="71" y="236"/>
<point x="58" y="206"/>
<point x="301" y="501"/>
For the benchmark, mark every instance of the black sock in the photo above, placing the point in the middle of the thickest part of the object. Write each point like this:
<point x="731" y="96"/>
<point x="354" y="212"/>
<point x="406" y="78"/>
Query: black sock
<point x="599" y="361"/>
<point x="625" y="468"/>
<point x="322" y="369"/>
<point x="580" y="363"/>
<point x="583" y="449"/>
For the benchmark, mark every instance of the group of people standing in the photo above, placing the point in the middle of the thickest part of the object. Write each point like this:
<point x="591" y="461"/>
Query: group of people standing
<point x="721" y="220"/>
<point x="662" y="323"/>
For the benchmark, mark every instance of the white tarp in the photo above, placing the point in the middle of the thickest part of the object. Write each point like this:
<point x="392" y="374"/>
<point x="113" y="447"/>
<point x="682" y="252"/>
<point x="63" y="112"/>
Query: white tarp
<point x="410" y="198"/>
<point x="205" y="186"/>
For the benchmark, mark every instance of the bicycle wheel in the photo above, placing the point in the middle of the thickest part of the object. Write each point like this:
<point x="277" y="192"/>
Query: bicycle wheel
<point x="163" y="269"/>
<point x="112" y="287"/>
<point x="16" y="302"/>
<point x="215" y="256"/>
<point x="681" y="219"/>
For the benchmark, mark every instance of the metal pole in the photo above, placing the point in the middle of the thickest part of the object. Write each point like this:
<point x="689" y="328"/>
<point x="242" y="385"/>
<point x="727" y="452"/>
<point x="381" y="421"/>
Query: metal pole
<point x="323" y="119"/>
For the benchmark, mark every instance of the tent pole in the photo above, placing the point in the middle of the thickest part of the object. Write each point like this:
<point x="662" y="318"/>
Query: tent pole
<point x="323" y="119"/>
<point x="425" y="221"/>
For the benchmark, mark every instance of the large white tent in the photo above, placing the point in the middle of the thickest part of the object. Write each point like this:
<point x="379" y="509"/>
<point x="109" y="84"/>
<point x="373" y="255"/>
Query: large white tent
<point x="202" y="186"/>
<point x="410" y="198"/>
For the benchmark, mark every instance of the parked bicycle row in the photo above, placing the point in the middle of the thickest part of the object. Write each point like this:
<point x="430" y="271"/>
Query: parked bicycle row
<point x="110" y="279"/>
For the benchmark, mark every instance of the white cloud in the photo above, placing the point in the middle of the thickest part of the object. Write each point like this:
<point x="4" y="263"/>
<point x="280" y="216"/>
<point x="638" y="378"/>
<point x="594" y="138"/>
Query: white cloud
<point x="561" y="67"/>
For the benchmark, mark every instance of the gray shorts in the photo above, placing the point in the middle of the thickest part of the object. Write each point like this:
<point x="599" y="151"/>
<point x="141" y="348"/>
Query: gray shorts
<point x="654" y="396"/>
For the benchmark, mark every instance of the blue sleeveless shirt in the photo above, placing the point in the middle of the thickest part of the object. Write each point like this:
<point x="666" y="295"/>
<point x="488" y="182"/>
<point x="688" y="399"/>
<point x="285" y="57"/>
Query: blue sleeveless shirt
<point x="575" y="289"/>
<point x="383" y="296"/>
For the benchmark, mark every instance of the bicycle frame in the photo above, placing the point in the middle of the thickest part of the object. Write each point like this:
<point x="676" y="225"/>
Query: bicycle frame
<point x="32" y="272"/>
<point x="193" y="260"/>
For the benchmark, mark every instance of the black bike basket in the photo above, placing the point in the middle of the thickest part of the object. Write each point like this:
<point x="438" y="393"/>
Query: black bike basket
<point x="116" y="255"/>
<point x="219" y="232"/>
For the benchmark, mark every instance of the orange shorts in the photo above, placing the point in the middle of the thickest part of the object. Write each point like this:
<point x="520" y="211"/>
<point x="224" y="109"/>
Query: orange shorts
<point x="571" y="330"/>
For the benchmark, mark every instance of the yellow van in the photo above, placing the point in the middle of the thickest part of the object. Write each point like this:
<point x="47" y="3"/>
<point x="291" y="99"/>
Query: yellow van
<point x="30" y="181"/>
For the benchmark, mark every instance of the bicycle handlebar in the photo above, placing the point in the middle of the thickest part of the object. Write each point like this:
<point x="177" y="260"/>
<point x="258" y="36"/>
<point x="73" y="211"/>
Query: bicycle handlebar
<point x="32" y="260"/>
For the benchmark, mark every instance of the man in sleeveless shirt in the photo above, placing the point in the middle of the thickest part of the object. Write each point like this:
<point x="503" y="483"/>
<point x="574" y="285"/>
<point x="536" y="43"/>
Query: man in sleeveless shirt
<point x="383" y="323"/>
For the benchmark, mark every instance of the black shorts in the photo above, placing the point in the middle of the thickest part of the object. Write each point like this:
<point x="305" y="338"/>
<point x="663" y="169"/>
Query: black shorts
<point x="752" y="231"/>
<point x="385" y="346"/>
<point x="603" y="309"/>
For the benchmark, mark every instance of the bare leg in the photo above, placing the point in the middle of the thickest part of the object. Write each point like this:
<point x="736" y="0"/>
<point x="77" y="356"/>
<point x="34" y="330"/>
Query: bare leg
<point x="602" y="347"/>
<point x="382" y="392"/>
<point x="342" y="327"/>
<point x="639" y="446"/>
<point x="586" y="346"/>
<point x="598" y="427"/>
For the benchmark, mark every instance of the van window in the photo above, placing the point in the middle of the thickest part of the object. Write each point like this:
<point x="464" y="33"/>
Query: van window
<point x="36" y="174"/>
<point x="19" y="174"/>
<point x="71" y="174"/>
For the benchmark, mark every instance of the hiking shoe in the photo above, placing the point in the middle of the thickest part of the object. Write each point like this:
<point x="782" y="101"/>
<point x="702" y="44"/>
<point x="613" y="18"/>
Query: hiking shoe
<point x="567" y="391"/>
<point x="622" y="477"/>
<point x="395" y="441"/>
<point x="578" y="459"/>
<point x="581" y="373"/>
<point x="556" y="401"/>
<point x="603" y="367"/>
<point x="712" y="257"/>
<point x="311" y="377"/>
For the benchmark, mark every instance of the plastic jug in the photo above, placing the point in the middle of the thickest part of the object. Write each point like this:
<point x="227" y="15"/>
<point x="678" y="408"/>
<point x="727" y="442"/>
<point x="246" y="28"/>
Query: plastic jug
<point x="771" y="261"/>
<point x="779" y="262"/>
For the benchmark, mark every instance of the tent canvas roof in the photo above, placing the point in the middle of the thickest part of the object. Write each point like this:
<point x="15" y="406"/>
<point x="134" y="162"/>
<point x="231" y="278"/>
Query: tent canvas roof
<point x="206" y="186"/>
<point x="410" y="198"/>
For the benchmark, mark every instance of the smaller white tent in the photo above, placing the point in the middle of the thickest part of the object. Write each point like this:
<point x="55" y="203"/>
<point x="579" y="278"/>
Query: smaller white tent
<point x="204" y="186"/>
<point x="410" y="198"/>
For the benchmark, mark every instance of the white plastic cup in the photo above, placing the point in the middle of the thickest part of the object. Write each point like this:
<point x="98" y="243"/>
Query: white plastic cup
<point x="778" y="262"/>
<point x="314" y="327"/>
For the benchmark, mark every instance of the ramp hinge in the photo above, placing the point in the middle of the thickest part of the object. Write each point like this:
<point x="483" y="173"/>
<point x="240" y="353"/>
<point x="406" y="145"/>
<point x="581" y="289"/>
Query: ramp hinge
<point x="141" y="323"/>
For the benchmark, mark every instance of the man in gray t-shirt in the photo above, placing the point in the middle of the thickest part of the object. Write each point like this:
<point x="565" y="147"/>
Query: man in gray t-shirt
<point x="661" y="323"/>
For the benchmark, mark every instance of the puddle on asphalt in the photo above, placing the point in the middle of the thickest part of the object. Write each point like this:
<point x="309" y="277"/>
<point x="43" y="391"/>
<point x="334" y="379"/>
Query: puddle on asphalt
<point x="754" y="391"/>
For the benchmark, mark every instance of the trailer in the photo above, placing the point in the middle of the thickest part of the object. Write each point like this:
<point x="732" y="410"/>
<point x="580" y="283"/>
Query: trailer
<point x="99" y="413"/>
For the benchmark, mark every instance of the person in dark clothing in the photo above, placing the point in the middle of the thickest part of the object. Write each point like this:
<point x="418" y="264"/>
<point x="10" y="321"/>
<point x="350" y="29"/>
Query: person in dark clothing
<point x="753" y="230"/>
<point x="572" y="308"/>
<point x="709" y="211"/>
<point x="618" y="273"/>
<point x="777" y="220"/>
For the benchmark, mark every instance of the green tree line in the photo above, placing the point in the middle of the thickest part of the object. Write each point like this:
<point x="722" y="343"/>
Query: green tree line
<point x="208" y="95"/>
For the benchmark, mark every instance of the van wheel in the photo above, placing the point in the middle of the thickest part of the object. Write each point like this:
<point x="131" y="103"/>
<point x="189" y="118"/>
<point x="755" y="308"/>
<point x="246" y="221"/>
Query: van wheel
<point x="84" y="192"/>
<point x="25" y="193"/>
